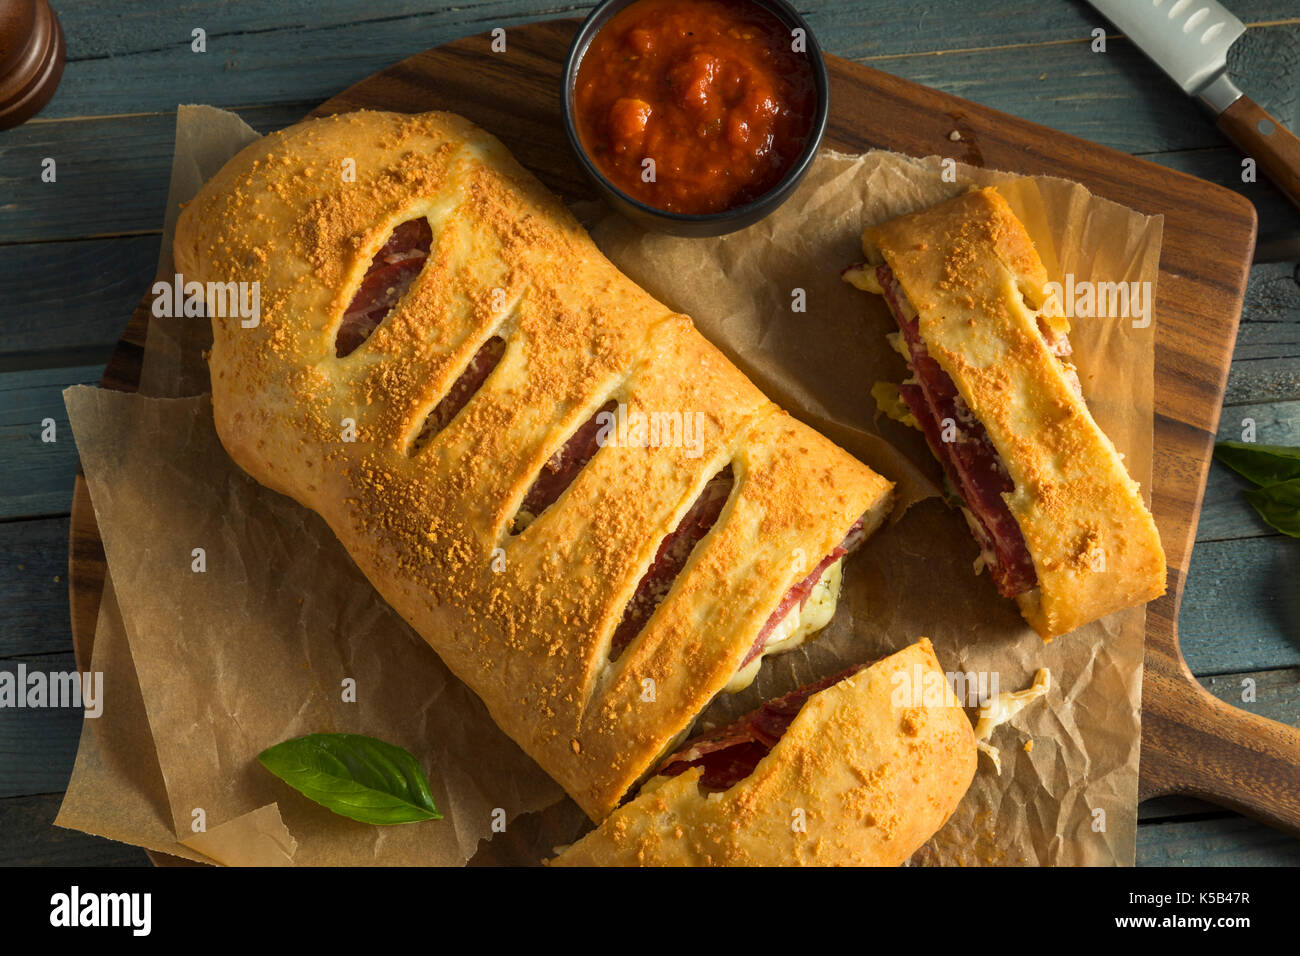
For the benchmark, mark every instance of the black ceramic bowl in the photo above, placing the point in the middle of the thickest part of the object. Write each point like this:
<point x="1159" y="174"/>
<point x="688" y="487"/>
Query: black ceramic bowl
<point x="708" y="224"/>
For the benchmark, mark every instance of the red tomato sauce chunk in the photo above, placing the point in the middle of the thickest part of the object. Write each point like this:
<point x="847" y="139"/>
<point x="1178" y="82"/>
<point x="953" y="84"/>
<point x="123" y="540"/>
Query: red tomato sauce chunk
<point x="711" y="91"/>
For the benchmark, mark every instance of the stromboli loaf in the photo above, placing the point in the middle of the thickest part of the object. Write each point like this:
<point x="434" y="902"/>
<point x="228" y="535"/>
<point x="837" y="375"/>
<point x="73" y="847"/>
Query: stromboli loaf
<point x="525" y="620"/>
<point x="861" y="777"/>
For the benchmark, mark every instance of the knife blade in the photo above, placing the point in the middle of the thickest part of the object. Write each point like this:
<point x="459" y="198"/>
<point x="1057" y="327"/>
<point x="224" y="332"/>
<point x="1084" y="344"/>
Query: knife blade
<point x="1189" y="40"/>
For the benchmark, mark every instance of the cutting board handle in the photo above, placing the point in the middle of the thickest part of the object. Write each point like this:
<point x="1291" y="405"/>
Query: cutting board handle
<point x="1195" y="744"/>
<point x="1268" y="142"/>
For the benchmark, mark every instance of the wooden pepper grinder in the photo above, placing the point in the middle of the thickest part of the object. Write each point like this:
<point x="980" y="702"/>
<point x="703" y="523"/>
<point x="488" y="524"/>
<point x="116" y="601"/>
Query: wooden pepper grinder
<point x="32" y="51"/>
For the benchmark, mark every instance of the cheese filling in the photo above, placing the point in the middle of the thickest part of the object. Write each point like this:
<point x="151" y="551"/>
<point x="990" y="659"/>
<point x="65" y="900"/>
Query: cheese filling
<point x="1002" y="708"/>
<point x="799" y="623"/>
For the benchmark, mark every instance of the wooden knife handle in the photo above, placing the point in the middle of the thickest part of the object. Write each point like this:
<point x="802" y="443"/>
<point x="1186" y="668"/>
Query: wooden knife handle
<point x="1195" y="744"/>
<point x="1274" y="147"/>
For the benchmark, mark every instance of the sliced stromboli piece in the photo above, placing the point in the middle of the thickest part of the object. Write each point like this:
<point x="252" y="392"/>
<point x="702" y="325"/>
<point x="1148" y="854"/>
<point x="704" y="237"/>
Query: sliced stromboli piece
<point x="857" y="770"/>
<point x="421" y="441"/>
<point x="1059" y="521"/>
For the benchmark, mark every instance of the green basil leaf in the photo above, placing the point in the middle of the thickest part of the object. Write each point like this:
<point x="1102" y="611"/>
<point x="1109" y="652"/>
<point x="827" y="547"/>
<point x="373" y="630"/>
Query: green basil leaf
<point x="355" y="776"/>
<point x="1262" y="464"/>
<point x="1279" y="505"/>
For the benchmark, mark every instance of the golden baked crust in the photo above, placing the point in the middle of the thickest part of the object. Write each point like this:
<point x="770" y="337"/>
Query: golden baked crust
<point x="972" y="273"/>
<point x="868" y="775"/>
<point x="524" y="620"/>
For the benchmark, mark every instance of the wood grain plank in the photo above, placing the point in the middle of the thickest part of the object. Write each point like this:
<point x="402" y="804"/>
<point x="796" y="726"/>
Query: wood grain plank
<point x="1266" y="363"/>
<point x="1118" y="98"/>
<point x="108" y="28"/>
<point x="1263" y="380"/>
<point x="28" y="837"/>
<point x="1275" y="692"/>
<point x="245" y="66"/>
<point x="37" y="477"/>
<point x="104" y="28"/>
<point x="34" y="587"/>
<point x="1271" y="319"/>
<point x="112" y="174"/>
<point x="66" y="302"/>
<point x="1241" y="608"/>
<point x="1230" y="841"/>
<point x="38" y="745"/>
<point x="1226" y="515"/>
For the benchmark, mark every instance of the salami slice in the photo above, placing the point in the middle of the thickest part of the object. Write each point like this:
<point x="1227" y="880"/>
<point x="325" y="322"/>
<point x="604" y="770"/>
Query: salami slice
<point x="730" y="754"/>
<point x="973" y="466"/>
<point x="390" y="274"/>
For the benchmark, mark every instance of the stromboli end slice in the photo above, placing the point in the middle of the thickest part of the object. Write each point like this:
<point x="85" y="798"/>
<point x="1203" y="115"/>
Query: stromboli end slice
<point x="523" y="612"/>
<point x="969" y="292"/>
<point x="861" y="776"/>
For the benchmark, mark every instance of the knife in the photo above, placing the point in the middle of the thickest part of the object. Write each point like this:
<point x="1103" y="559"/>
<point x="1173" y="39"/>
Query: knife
<point x="1189" y="40"/>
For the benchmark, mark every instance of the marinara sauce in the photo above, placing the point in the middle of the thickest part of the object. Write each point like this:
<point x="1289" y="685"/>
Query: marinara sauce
<point x="711" y="91"/>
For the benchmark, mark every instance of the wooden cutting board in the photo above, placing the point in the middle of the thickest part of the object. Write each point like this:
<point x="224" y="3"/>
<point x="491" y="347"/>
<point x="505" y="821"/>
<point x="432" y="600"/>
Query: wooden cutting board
<point x="1191" y="742"/>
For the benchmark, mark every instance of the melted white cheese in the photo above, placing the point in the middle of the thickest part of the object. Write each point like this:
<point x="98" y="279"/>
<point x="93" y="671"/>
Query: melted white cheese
<point x="800" y="622"/>
<point x="987" y="558"/>
<point x="863" y="276"/>
<point x="1005" y="706"/>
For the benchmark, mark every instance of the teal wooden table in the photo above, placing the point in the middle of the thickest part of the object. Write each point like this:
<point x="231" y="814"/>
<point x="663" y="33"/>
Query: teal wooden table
<point x="76" y="255"/>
